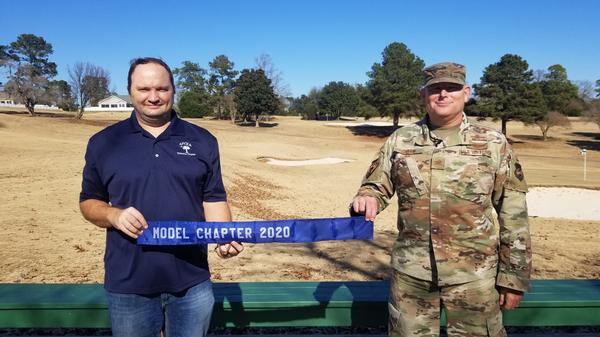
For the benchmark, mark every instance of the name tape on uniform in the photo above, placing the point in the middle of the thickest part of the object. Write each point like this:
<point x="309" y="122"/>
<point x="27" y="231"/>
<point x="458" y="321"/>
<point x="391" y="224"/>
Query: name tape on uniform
<point x="299" y="230"/>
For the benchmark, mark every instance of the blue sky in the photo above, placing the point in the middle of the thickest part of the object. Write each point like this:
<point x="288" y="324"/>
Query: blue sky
<point x="311" y="42"/>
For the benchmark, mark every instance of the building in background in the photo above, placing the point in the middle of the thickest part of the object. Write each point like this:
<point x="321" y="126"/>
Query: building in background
<point x="5" y="99"/>
<point x="112" y="103"/>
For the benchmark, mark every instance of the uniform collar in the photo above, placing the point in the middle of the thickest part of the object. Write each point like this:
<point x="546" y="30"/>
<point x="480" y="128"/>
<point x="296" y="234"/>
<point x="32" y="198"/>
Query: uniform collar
<point x="428" y="138"/>
<point x="176" y="128"/>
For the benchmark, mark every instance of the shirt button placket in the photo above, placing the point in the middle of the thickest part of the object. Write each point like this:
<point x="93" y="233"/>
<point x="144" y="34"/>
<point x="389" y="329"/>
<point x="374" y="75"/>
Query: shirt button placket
<point x="156" y="153"/>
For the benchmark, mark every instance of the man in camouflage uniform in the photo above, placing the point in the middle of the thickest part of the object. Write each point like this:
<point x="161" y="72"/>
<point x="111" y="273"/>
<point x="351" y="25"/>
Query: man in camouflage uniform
<point x="463" y="240"/>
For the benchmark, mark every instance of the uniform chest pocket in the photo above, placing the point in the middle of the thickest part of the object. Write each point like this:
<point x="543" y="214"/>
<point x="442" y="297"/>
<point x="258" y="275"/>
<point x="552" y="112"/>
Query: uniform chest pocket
<point x="470" y="175"/>
<point x="409" y="172"/>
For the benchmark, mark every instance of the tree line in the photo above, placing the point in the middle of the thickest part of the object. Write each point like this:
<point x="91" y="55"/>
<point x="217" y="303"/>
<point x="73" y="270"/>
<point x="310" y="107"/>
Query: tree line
<point x="30" y="74"/>
<point x="508" y="89"/>
<point x="218" y="91"/>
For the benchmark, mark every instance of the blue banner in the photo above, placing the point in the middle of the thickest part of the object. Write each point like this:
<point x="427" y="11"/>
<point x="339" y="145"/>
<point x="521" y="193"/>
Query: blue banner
<point x="300" y="230"/>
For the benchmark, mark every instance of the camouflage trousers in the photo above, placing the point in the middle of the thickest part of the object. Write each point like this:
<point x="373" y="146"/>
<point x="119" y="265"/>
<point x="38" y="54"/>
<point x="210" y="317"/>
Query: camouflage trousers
<point x="472" y="308"/>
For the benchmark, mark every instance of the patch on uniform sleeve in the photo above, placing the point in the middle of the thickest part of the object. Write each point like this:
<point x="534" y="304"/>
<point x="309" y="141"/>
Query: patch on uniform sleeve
<point x="519" y="172"/>
<point x="516" y="179"/>
<point x="372" y="168"/>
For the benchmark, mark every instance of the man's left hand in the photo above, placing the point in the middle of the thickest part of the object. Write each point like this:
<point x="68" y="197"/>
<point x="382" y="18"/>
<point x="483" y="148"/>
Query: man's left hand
<point x="510" y="298"/>
<point x="228" y="250"/>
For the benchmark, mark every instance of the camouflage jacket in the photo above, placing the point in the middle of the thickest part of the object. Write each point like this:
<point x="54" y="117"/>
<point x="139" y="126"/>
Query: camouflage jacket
<point x="462" y="213"/>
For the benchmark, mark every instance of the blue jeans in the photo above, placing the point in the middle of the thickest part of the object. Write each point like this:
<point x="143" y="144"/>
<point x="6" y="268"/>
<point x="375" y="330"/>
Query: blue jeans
<point x="186" y="313"/>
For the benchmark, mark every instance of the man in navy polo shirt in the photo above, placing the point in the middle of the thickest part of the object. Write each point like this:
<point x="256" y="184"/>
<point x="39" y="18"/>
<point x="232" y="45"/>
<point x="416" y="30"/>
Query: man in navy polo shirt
<point x="154" y="166"/>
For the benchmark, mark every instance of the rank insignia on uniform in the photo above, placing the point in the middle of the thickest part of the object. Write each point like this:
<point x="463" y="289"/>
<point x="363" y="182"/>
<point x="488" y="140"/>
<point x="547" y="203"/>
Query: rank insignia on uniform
<point x="519" y="172"/>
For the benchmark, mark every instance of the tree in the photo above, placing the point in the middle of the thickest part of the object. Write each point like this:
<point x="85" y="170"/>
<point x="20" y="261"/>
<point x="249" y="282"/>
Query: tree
<point x="194" y="99"/>
<point x="560" y="97"/>
<point x="193" y="104"/>
<point x="29" y="69"/>
<point x="229" y="105"/>
<point x="60" y="95"/>
<point x="585" y="90"/>
<point x="27" y="88"/>
<point x="472" y="109"/>
<point x="285" y="104"/>
<point x="337" y="99"/>
<point x="506" y="92"/>
<point x="394" y="83"/>
<point x="597" y="88"/>
<point x="89" y="84"/>
<point x="552" y="119"/>
<point x="221" y="81"/>
<point x="254" y="94"/>
<point x="265" y="62"/>
<point x="306" y="106"/>
<point x="557" y="73"/>
<point x="33" y="50"/>
<point x="592" y="114"/>
<point x="190" y="77"/>
<point x="96" y="85"/>
<point x="558" y="91"/>
<point x="5" y="57"/>
<point x="365" y="109"/>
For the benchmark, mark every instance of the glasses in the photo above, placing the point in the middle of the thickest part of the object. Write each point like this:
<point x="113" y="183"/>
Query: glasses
<point x="436" y="89"/>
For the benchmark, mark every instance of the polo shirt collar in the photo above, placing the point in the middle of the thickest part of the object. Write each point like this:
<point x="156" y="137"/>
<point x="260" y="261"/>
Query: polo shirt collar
<point x="176" y="128"/>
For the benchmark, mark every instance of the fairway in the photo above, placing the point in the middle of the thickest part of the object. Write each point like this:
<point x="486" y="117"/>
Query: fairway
<point x="45" y="239"/>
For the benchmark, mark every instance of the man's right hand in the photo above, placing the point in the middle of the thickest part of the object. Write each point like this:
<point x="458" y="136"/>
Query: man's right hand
<point x="129" y="221"/>
<point x="366" y="205"/>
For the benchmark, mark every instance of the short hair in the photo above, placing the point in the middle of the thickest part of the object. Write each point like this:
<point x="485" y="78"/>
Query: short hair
<point x="145" y="60"/>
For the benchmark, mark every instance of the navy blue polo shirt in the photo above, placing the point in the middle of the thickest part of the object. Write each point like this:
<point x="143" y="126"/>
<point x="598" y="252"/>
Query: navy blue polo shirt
<point x="165" y="178"/>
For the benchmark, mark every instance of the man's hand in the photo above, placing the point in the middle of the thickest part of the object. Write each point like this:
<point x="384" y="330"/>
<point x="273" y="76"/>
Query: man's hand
<point x="510" y="298"/>
<point x="129" y="221"/>
<point x="219" y="211"/>
<point x="228" y="250"/>
<point x="366" y="205"/>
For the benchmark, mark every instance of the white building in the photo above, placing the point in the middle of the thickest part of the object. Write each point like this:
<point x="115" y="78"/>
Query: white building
<point x="6" y="100"/>
<point x="113" y="103"/>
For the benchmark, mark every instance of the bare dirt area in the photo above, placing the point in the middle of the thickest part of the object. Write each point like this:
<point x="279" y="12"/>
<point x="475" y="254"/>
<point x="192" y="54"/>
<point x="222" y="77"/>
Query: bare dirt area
<point x="44" y="239"/>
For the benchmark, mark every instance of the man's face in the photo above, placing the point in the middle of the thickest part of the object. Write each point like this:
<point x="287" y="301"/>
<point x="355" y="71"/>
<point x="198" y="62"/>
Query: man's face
<point x="446" y="101"/>
<point x="151" y="90"/>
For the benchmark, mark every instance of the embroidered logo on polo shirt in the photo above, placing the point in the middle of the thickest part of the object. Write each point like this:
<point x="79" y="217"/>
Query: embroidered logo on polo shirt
<point x="185" y="146"/>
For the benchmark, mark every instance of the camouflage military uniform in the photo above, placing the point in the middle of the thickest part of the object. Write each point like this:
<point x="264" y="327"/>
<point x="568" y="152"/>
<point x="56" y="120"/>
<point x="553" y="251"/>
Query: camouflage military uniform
<point x="462" y="216"/>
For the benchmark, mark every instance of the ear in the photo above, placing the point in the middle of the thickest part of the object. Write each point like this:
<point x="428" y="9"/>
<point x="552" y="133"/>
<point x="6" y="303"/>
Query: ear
<point x="467" y="91"/>
<point x="423" y="92"/>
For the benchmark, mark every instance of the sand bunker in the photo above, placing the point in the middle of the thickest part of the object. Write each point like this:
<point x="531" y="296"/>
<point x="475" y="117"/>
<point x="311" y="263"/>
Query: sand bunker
<point x="564" y="203"/>
<point x="306" y="162"/>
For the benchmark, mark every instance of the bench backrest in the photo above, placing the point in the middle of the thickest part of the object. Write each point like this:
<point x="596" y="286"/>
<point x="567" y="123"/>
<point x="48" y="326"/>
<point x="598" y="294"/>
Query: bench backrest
<point x="293" y="304"/>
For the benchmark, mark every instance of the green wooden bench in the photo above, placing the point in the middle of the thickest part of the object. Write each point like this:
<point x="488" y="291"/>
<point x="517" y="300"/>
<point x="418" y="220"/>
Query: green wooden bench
<point x="288" y="304"/>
